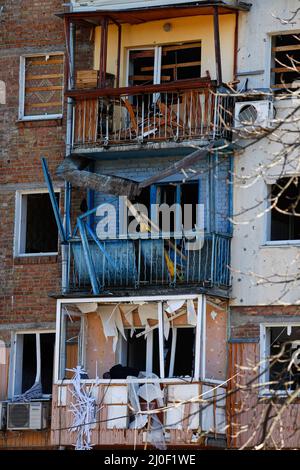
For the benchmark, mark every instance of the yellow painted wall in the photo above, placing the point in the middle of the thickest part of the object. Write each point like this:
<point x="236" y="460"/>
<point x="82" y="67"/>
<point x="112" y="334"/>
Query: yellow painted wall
<point x="198" y="28"/>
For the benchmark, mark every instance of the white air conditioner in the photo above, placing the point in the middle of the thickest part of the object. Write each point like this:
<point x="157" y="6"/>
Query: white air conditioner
<point x="33" y="415"/>
<point x="3" y="407"/>
<point x="252" y="114"/>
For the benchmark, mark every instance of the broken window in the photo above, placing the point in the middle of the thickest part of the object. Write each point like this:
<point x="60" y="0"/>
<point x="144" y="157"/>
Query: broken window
<point x="285" y="215"/>
<point x="164" y="64"/>
<point x="71" y="343"/>
<point x="141" y="67"/>
<point x="36" y="227"/>
<point x="285" y="61"/>
<point x="181" y="61"/>
<point x="136" y="351"/>
<point x="282" y="348"/>
<point x="41" y="93"/>
<point x="26" y="359"/>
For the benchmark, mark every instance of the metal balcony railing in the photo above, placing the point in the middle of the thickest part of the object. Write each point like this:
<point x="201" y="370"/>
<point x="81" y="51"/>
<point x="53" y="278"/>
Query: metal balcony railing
<point x="142" y="262"/>
<point x="150" y="114"/>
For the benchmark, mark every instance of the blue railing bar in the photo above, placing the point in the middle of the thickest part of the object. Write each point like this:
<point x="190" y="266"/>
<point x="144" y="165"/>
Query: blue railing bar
<point x="68" y="190"/>
<point x="99" y="244"/>
<point x="53" y="200"/>
<point x="88" y="257"/>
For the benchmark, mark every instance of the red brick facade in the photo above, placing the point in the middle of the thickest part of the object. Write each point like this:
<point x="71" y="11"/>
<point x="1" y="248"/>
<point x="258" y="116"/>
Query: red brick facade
<point x="26" y="27"/>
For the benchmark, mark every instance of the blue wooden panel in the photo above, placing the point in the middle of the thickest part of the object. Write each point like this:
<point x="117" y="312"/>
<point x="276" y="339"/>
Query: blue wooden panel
<point x="120" y="252"/>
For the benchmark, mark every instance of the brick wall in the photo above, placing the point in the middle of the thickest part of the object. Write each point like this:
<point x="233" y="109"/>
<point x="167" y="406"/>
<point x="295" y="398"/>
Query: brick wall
<point x="26" y="27"/>
<point x="245" y="321"/>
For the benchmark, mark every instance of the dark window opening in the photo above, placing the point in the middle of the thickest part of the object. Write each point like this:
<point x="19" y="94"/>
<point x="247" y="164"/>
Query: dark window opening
<point x="189" y="196"/>
<point x="29" y="361"/>
<point x="41" y="229"/>
<point x="286" y="57"/>
<point x="167" y="196"/>
<point x="155" y="353"/>
<point x="142" y="199"/>
<point x="285" y="216"/>
<point x="136" y="351"/>
<point x="180" y="62"/>
<point x="141" y="67"/>
<point x="282" y="349"/>
<point x="184" y="354"/>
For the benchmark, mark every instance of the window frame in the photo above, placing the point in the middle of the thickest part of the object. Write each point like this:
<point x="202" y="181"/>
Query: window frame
<point x="60" y="364"/>
<point x="158" y="48"/>
<point x="268" y="220"/>
<point x="264" y="354"/>
<point x="37" y="117"/>
<point x="200" y="335"/>
<point x="20" y="224"/>
<point x="14" y="356"/>
<point x="271" y="57"/>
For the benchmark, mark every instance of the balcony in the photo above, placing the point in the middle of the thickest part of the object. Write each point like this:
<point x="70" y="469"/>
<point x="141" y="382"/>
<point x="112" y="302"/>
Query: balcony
<point x="143" y="262"/>
<point x="203" y="409"/>
<point x="182" y="111"/>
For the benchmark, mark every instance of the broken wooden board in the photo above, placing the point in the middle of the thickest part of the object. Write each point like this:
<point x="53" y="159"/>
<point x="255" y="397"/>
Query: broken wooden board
<point x="72" y="170"/>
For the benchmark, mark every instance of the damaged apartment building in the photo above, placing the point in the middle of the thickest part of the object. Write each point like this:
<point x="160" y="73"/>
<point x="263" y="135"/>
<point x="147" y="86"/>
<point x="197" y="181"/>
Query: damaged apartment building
<point x="116" y="328"/>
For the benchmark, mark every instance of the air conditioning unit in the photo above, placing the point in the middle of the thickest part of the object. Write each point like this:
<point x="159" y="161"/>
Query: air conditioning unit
<point x="33" y="415"/>
<point x="3" y="408"/>
<point x="252" y="114"/>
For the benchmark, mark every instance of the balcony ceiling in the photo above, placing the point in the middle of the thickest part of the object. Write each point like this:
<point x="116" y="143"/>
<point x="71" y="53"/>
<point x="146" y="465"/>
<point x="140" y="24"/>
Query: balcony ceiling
<point x="143" y="15"/>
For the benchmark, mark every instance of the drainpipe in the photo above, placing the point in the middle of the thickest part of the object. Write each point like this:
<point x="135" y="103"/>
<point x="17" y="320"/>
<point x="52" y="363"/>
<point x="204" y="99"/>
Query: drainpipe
<point x="65" y="248"/>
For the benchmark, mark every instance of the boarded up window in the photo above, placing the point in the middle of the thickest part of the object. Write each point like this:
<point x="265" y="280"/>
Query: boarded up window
<point x="43" y="86"/>
<point x="286" y="57"/>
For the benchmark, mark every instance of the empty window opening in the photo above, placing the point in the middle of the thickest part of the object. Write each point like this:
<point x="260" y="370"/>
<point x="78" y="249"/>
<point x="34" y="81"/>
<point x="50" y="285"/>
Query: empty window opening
<point x="286" y="57"/>
<point x="179" y="352"/>
<point x="26" y="362"/>
<point x="141" y="67"/>
<point x="189" y="197"/>
<point x="38" y="229"/>
<point x="164" y="64"/>
<point x="184" y="352"/>
<point x="285" y="215"/>
<point x="71" y="348"/>
<point x="284" y="353"/>
<point x="136" y="351"/>
<point x="181" y="61"/>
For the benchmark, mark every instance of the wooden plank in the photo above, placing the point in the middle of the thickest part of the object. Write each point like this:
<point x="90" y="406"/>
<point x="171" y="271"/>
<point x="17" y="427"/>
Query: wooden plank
<point x="41" y="77"/>
<point x="44" y="105"/>
<point x="179" y="85"/>
<point x="140" y="77"/>
<point x="43" y="88"/>
<point x="142" y="54"/>
<point x="293" y="47"/>
<point x="286" y="69"/>
<point x="181" y="46"/>
<point x="175" y="66"/>
<point x="285" y="85"/>
<point x="45" y="62"/>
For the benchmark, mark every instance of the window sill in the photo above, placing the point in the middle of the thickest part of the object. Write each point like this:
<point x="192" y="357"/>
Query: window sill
<point x="40" y="122"/>
<point x="281" y="243"/>
<point x="36" y="259"/>
<point x="275" y="394"/>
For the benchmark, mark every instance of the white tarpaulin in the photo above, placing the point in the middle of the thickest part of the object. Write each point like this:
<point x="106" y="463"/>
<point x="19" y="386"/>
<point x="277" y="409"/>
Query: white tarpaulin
<point x="88" y="307"/>
<point x="112" y="322"/>
<point x="148" y="311"/>
<point x="174" y="305"/>
<point x="191" y="313"/>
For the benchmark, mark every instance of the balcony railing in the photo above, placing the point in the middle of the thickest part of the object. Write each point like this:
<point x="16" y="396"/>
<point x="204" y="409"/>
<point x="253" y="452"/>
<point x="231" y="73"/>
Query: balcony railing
<point x="202" y="413"/>
<point x="142" y="262"/>
<point x="176" y="112"/>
